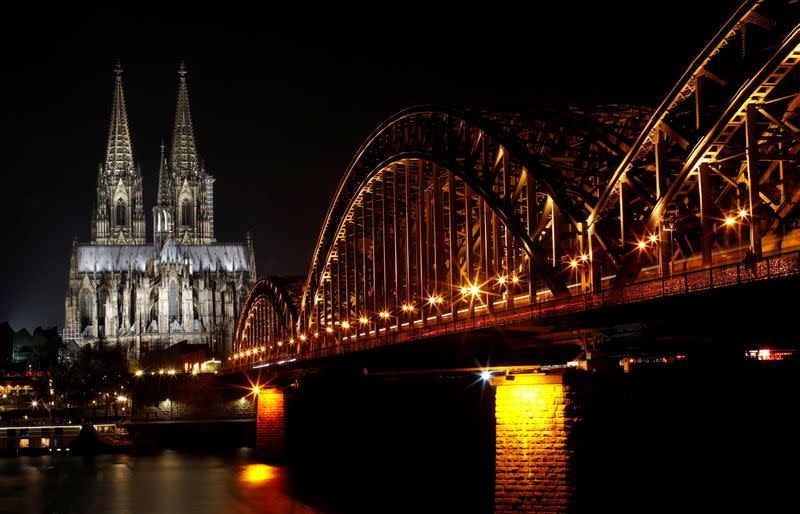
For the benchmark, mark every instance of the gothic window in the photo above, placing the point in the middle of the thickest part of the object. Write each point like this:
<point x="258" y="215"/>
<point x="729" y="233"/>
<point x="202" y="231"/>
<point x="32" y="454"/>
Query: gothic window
<point x="132" y="312"/>
<point x="101" y="315"/>
<point x="120" y="212"/>
<point x="85" y="310"/>
<point x="173" y="299"/>
<point x="186" y="213"/>
<point x="120" y="306"/>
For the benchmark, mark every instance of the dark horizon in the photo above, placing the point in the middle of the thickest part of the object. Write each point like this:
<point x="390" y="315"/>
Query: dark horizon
<point x="280" y="104"/>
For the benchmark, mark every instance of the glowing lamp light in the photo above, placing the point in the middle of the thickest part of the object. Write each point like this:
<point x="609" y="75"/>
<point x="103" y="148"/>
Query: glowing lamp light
<point x="584" y="257"/>
<point x="280" y="343"/>
<point x="34" y="403"/>
<point x="171" y="372"/>
<point x="303" y="337"/>
<point x="316" y="335"/>
<point x="256" y="389"/>
<point x="730" y="221"/>
<point x="122" y="399"/>
<point x="363" y="320"/>
<point x="139" y="373"/>
<point x="346" y="325"/>
<point x="743" y="213"/>
<point x="407" y="307"/>
<point x="501" y="280"/>
<point x="573" y="263"/>
<point x="464" y="290"/>
<point x="486" y="375"/>
<point x="642" y="245"/>
<point x="515" y="279"/>
<point x="653" y="238"/>
<point x="161" y="372"/>
<point x="433" y="300"/>
<point x="329" y="330"/>
<point x="384" y="315"/>
<point x="474" y="290"/>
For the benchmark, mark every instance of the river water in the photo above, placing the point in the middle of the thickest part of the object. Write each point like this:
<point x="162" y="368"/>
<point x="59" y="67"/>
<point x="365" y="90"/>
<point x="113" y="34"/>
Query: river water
<point x="167" y="482"/>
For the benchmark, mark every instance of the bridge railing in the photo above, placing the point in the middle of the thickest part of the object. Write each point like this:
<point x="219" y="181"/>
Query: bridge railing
<point x="719" y="277"/>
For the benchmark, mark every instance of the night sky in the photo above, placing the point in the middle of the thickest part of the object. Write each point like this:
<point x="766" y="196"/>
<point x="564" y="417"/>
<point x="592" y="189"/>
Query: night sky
<point x="281" y="99"/>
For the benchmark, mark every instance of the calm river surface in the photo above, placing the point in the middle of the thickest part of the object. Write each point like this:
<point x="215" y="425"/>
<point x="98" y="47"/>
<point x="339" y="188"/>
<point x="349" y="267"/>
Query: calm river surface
<point x="168" y="482"/>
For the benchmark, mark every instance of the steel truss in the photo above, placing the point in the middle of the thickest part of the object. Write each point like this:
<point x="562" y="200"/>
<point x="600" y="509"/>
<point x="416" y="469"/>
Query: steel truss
<point x="443" y="212"/>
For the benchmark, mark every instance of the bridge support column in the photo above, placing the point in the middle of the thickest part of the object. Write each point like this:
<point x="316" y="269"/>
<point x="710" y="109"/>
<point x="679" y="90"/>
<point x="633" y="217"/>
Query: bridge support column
<point x="533" y="465"/>
<point x="270" y="426"/>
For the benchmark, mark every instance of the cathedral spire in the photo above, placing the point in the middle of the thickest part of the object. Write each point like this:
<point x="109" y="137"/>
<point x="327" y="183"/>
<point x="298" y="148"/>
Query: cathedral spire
<point x="163" y="180"/>
<point x="119" y="154"/>
<point x="184" y="153"/>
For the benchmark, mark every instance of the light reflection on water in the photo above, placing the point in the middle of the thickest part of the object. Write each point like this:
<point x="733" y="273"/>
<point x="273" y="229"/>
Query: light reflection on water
<point x="168" y="482"/>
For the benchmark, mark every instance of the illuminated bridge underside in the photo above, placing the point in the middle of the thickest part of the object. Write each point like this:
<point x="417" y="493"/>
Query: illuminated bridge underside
<point x="445" y="217"/>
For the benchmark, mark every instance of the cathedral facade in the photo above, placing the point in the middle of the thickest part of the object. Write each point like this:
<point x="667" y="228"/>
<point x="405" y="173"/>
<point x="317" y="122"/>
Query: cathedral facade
<point x="182" y="286"/>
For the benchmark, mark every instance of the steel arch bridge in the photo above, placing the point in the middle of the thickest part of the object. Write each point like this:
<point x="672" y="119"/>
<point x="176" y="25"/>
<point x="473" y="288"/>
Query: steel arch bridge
<point x="449" y="219"/>
<point x="270" y="318"/>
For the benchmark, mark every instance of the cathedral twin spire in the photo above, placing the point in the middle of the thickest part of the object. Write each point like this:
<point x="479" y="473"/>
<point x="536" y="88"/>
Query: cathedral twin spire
<point x="119" y="152"/>
<point x="184" y="205"/>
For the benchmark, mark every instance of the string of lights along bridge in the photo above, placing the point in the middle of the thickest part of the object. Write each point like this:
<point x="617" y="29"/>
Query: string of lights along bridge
<point x="449" y="220"/>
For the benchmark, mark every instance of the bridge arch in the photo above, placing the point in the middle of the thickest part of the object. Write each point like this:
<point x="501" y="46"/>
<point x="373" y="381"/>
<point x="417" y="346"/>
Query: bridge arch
<point x="267" y="321"/>
<point x="423" y="170"/>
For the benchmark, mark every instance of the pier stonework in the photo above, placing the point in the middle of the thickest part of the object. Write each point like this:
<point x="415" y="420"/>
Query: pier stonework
<point x="270" y="424"/>
<point x="533" y="471"/>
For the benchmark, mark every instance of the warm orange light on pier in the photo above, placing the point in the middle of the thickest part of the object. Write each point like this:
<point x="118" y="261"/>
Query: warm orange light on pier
<point x="256" y="474"/>
<point x="531" y="438"/>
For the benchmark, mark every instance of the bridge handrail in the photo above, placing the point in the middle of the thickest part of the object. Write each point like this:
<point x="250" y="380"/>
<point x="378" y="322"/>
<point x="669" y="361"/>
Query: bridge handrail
<point x="769" y="267"/>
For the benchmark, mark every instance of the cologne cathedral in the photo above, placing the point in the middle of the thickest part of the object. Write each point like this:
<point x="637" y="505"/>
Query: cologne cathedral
<point x="184" y="285"/>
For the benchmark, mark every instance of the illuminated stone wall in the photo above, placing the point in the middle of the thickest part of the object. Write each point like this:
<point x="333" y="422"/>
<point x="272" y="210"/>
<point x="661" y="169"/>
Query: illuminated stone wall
<point x="270" y="422"/>
<point x="532" y="460"/>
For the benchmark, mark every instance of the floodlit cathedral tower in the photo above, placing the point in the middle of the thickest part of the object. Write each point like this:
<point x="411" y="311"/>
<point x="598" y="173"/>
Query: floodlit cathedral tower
<point x="184" y="286"/>
<point x="118" y="216"/>
<point x="185" y="204"/>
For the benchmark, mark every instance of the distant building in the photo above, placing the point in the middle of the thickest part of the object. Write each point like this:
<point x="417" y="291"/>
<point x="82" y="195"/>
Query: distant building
<point x="38" y="349"/>
<point x="184" y="286"/>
